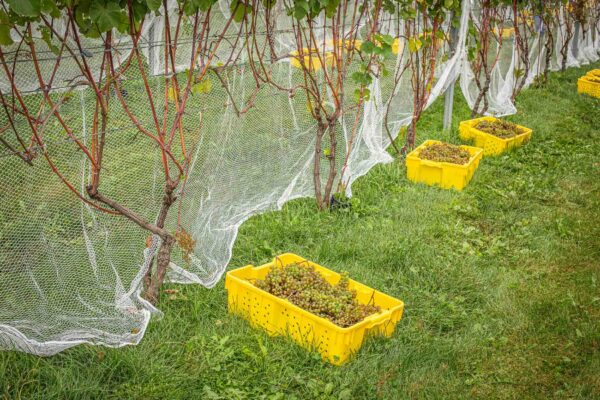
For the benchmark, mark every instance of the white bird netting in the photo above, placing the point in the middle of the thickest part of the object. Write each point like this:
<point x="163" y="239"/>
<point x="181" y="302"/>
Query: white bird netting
<point x="70" y="274"/>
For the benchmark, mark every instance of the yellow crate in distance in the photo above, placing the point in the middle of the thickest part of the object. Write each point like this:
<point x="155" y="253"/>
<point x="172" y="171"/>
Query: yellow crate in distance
<point x="589" y="84"/>
<point x="506" y="33"/>
<point x="594" y="73"/>
<point x="491" y="145"/>
<point x="280" y="317"/>
<point x="312" y="59"/>
<point x="443" y="174"/>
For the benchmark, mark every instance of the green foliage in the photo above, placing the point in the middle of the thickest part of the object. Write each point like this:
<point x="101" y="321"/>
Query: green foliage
<point x="362" y="93"/>
<point x="153" y="5"/>
<point x="362" y="77"/>
<point x="414" y="44"/>
<point x="204" y="86"/>
<point x="95" y="17"/>
<point x="578" y="10"/>
<point x="26" y="8"/>
<point x="518" y="73"/>
<point x="106" y="15"/>
<point x="375" y="53"/>
<point x="47" y="38"/>
<point x="302" y="9"/>
<point x="5" y="27"/>
<point x="240" y="9"/>
<point x="409" y="9"/>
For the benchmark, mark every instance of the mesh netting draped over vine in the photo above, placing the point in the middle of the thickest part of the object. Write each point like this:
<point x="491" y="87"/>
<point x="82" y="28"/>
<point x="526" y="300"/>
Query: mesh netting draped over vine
<point x="70" y="274"/>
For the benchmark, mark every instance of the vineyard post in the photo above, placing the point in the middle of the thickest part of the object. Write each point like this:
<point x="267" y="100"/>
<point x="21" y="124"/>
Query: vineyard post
<point x="152" y="49"/>
<point x="576" y="39"/>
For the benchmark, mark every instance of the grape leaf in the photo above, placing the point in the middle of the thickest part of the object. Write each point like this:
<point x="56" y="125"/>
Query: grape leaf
<point x="5" y="39"/>
<point x="47" y="38"/>
<point x="26" y="8"/>
<point x="153" y="5"/>
<point x="414" y="44"/>
<point x="106" y="15"/>
<point x="204" y="86"/>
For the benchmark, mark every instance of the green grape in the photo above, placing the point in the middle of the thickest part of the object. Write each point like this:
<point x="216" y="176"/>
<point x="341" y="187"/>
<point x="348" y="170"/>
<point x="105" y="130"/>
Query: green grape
<point x="308" y="289"/>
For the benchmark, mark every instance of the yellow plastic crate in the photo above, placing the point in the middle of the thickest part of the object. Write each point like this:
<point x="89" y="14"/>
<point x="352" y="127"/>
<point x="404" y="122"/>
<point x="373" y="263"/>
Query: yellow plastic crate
<point x="280" y="317"/>
<point x="586" y="85"/>
<point x="505" y="32"/>
<point x="491" y="145"/>
<point x="595" y="73"/>
<point x="311" y="56"/>
<point x="446" y="175"/>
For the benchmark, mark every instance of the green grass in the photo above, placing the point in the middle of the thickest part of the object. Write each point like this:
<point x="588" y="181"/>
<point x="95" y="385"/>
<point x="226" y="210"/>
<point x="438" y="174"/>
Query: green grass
<point x="501" y="285"/>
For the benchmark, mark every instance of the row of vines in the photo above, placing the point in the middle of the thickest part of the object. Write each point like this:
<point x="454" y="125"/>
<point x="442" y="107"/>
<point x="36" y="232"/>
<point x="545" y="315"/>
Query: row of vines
<point x="346" y="62"/>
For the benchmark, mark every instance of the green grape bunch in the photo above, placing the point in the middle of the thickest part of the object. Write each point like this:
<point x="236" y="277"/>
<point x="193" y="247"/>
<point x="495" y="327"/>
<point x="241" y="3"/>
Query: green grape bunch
<point x="303" y="286"/>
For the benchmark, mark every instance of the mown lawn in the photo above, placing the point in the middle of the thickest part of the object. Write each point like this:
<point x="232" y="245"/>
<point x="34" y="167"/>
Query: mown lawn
<point x="501" y="284"/>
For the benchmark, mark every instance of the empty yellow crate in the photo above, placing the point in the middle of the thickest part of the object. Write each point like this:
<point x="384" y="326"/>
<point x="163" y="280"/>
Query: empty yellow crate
<point x="491" y="145"/>
<point x="446" y="175"/>
<point x="589" y="84"/>
<point x="280" y="317"/>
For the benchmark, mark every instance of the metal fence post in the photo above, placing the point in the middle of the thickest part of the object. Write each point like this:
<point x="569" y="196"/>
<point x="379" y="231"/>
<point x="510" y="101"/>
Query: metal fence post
<point x="576" y="39"/>
<point x="151" y="47"/>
